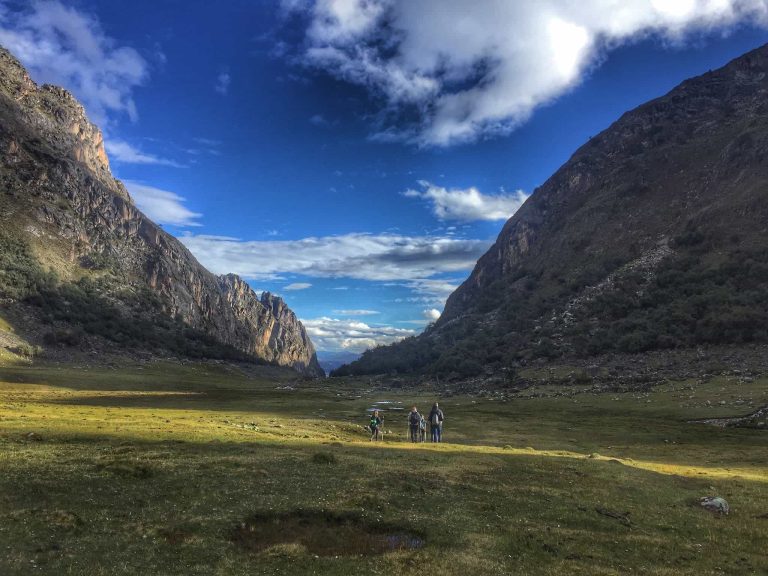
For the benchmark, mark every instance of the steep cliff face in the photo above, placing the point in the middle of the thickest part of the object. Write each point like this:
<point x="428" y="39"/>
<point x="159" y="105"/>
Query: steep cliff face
<point x="652" y="236"/>
<point x="58" y="195"/>
<point x="270" y="328"/>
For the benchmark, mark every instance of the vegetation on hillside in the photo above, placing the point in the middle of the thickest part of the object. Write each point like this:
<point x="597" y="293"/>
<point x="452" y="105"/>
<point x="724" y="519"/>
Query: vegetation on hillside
<point x="103" y="306"/>
<point x="702" y="295"/>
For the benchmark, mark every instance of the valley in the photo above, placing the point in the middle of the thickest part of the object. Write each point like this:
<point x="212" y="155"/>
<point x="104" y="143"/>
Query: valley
<point x="171" y="468"/>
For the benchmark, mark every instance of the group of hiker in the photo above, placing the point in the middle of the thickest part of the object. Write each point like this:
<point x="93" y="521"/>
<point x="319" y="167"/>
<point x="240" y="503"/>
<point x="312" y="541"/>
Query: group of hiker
<point x="417" y="424"/>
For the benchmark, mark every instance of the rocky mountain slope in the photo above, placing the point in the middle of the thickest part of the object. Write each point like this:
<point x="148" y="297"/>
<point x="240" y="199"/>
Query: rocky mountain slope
<point x="654" y="235"/>
<point x="79" y="260"/>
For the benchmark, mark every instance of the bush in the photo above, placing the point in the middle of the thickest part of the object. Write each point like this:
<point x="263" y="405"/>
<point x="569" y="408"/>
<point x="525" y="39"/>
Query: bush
<point x="97" y="261"/>
<point x="20" y="274"/>
<point x="27" y="350"/>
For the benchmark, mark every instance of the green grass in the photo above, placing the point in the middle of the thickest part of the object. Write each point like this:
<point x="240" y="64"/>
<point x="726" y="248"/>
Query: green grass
<point x="5" y="326"/>
<point x="161" y="469"/>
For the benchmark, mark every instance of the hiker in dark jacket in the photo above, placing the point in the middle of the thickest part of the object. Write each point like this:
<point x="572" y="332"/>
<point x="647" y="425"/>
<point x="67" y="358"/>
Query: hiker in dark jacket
<point x="375" y="425"/>
<point x="436" y="423"/>
<point x="414" y="418"/>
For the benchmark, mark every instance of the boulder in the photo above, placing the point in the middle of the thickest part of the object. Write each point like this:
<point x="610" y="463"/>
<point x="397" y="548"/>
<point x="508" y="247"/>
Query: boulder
<point x="715" y="504"/>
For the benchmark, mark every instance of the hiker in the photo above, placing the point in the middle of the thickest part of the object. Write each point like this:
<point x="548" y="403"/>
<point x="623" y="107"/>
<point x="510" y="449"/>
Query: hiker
<point x="413" y="421"/>
<point x="375" y="425"/>
<point x="422" y="429"/>
<point x="436" y="423"/>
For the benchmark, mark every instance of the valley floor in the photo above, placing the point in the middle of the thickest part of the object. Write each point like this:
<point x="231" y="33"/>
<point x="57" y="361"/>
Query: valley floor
<point x="200" y="469"/>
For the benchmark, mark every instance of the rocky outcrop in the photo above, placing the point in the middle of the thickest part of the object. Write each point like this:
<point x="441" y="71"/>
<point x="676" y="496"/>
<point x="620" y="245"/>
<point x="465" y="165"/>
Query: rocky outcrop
<point x="55" y="116"/>
<point x="59" y="195"/>
<point x="272" y="330"/>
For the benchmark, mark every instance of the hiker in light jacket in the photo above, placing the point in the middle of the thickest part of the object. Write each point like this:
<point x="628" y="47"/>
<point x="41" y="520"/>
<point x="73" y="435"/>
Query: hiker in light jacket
<point x="436" y="423"/>
<point x="414" y="418"/>
<point x="375" y="425"/>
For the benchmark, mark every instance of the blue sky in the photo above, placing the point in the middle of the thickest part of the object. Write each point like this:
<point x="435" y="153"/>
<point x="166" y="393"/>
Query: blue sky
<point x="356" y="157"/>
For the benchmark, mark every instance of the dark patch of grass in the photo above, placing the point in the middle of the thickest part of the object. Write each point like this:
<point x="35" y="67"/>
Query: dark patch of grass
<point x="176" y="535"/>
<point x="324" y="533"/>
<point x="127" y="469"/>
<point x="324" y="458"/>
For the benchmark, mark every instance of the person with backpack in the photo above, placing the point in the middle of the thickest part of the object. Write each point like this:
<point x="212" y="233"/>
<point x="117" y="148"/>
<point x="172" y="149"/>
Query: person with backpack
<point x="414" y="418"/>
<point x="422" y="429"/>
<point x="377" y="421"/>
<point x="436" y="423"/>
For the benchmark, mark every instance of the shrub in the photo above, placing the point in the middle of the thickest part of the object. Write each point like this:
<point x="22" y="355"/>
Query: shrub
<point x="27" y="350"/>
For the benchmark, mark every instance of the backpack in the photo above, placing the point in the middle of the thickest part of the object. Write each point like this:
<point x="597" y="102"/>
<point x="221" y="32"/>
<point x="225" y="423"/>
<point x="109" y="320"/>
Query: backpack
<point x="435" y="419"/>
<point x="422" y="424"/>
<point x="414" y="418"/>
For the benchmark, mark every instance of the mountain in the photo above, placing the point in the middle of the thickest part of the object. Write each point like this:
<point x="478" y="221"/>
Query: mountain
<point x="653" y="236"/>
<point x="80" y="263"/>
<point x="332" y="360"/>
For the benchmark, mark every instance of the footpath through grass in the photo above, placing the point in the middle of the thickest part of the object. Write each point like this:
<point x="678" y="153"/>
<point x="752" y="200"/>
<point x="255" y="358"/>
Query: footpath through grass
<point x="168" y="469"/>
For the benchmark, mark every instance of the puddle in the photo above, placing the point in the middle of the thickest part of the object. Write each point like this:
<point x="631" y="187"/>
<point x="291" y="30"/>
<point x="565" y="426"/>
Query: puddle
<point x="324" y="534"/>
<point x="757" y="420"/>
<point x="385" y="406"/>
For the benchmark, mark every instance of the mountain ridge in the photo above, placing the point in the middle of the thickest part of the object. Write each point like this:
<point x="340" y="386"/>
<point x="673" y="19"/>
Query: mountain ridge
<point x="59" y="196"/>
<point x="651" y="236"/>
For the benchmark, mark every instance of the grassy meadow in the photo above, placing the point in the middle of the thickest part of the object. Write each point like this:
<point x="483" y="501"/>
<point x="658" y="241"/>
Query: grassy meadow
<point x="205" y="469"/>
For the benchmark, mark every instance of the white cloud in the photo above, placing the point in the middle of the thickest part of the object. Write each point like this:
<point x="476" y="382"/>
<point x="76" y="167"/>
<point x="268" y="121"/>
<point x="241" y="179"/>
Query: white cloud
<point x="63" y="46"/>
<point x="352" y="335"/>
<point x="383" y="257"/>
<point x="431" y="291"/>
<point x="222" y="83"/>
<point x="122" y="151"/>
<point x="162" y="206"/>
<point x="473" y="69"/>
<point x="298" y="286"/>
<point x="356" y="312"/>
<point x="429" y="316"/>
<point x="468" y="204"/>
<point x="432" y="314"/>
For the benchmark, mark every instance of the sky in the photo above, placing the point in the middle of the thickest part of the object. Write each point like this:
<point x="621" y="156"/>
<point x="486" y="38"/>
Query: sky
<point x="357" y="157"/>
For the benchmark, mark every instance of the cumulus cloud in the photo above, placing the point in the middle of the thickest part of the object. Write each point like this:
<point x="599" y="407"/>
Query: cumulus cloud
<point x="382" y="257"/>
<point x="122" y="151"/>
<point x="428" y="316"/>
<point x="298" y="286"/>
<point x="162" y="206"/>
<point x="470" y="70"/>
<point x="468" y="204"/>
<point x="432" y="314"/>
<point x="331" y="334"/>
<point x="63" y="46"/>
